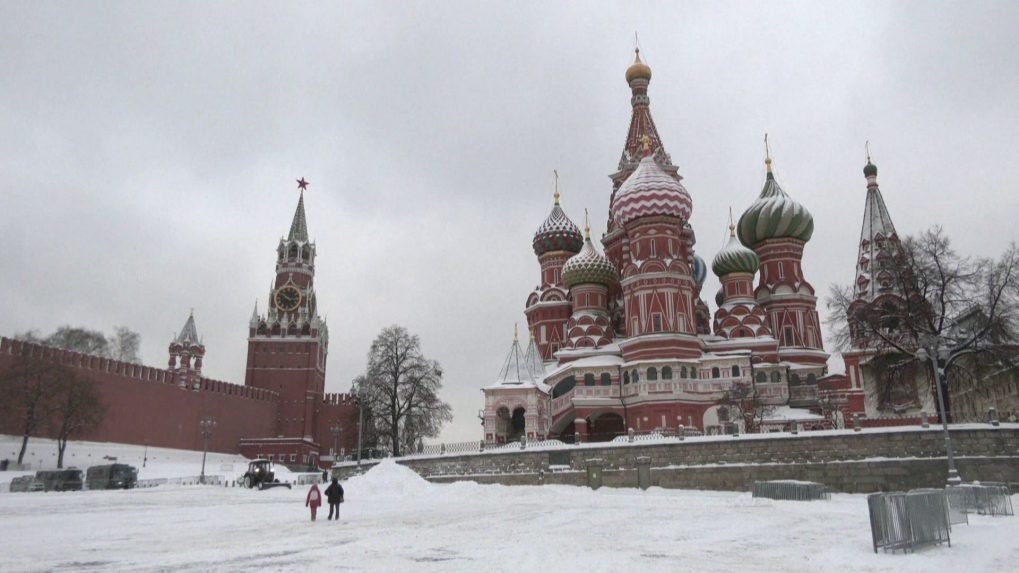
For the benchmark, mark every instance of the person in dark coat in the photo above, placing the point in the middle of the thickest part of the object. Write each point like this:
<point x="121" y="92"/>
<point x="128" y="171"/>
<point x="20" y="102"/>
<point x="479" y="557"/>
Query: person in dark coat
<point x="325" y="476"/>
<point x="334" y="495"/>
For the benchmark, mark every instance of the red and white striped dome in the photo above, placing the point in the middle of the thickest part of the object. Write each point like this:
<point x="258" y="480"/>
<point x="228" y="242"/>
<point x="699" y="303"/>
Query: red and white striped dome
<point x="650" y="191"/>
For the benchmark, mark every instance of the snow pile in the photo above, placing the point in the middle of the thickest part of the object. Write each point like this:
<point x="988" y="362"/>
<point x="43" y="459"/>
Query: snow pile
<point x="386" y="480"/>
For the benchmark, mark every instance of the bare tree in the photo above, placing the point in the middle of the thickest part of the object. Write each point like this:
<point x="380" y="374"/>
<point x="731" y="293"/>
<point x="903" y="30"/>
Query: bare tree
<point x="124" y="345"/>
<point x="401" y="389"/>
<point x="77" y="407"/>
<point x="79" y="339"/>
<point x="26" y="395"/>
<point x="743" y="402"/>
<point x="929" y="295"/>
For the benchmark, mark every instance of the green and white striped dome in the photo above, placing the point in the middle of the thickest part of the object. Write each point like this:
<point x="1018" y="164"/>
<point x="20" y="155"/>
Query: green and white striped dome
<point x="588" y="266"/>
<point x="735" y="258"/>
<point x="774" y="215"/>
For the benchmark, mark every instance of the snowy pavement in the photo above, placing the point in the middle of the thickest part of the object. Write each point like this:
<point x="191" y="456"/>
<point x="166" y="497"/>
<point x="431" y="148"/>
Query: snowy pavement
<point x="395" y="521"/>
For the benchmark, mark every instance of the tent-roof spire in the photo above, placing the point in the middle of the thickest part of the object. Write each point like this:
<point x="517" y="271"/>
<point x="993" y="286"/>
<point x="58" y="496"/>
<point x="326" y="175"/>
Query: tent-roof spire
<point x="299" y="227"/>
<point x="190" y="332"/>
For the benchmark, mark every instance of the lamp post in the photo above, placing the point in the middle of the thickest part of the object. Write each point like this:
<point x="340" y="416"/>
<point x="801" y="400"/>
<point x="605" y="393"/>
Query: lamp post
<point x="207" y="424"/>
<point x="145" y="459"/>
<point x="942" y="355"/>
<point x="335" y="429"/>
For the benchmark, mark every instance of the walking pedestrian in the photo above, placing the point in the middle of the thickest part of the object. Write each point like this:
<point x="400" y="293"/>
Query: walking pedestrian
<point x="314" y="500"/>
<point x="334" y="495"/>
<point x="325" y="476"/>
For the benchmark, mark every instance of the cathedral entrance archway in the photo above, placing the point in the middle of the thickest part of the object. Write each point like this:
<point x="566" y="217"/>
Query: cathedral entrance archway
<point x="517" y="424"/>
<point x="605" y="427"/>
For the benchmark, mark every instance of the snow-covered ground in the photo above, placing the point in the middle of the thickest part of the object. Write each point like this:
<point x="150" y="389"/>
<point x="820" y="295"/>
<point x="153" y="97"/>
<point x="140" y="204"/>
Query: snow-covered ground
<point x="395" y="521"/>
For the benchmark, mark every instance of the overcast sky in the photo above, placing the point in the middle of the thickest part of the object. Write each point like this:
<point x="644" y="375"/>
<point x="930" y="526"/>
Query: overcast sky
<point x="149" y="151"/>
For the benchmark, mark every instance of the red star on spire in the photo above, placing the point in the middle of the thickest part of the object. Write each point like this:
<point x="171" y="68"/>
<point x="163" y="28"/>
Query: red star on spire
<point x="302" y="184"/>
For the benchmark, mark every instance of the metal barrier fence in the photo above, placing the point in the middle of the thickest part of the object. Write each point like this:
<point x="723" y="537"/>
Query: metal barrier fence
<point x="791" y="490"/>
<point x="955" y="515"/>
<point x="983" y="499"/>
<point x="908" y="521"/>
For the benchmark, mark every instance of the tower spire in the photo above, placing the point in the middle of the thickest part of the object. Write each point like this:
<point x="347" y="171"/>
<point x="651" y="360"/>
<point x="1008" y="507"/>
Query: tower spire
<point x="878" y="241"/>
<point x="299" y="227"/>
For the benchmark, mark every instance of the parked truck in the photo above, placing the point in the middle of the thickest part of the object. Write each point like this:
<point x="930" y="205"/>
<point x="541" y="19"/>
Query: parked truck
<point x="112" y="476"/>
<point x="61" y="480"/>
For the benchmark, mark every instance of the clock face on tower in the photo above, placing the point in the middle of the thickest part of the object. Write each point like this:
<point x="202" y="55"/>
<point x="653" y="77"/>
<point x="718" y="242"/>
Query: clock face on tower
<point x="287" y="298"/>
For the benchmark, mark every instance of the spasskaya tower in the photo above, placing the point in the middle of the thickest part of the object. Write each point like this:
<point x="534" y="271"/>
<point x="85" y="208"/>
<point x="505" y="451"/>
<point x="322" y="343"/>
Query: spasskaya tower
<point x="288" y="345"/>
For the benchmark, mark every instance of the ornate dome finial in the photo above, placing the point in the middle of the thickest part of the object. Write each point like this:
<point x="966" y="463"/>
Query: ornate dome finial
<point x="589" y="266"/>
<point x="767" y="154"/>
<point x="587" y="226"/>
<point x="734" y="257"/>
<point x="774" y="215"/>
<point x="638" y="70"/>
<point x="650" y="191"/>
<point x="514" y="331"/>
<point x="646" y="141"/>
<point x="869" y="170"/>
<point x="557" y="233"/>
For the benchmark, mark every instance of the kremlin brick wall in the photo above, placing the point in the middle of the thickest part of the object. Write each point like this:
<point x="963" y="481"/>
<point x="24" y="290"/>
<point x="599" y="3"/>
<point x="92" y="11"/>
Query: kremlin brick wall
<point x="145" y="404"/>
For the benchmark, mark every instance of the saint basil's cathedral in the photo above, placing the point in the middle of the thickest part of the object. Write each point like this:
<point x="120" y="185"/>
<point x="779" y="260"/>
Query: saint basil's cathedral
<point x="625" y="340"/>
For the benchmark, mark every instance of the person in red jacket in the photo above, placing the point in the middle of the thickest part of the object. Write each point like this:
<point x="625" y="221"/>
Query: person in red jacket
<point x="314" y="500"/>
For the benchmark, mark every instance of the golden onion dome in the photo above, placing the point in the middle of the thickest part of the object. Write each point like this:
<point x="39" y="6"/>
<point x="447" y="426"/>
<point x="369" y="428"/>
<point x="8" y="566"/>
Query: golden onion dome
<point x="638" y="69"/>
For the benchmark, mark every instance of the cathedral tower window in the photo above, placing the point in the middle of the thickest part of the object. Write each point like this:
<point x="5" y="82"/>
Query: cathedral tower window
<point x="788" y="336"/>
<point x="657" y="320"/>
<point x="626" y="377"/>
<point x="606" y="379"/>
<point x="715" y="372"/>
<point x="636" y="377"/>
<point x="781" y="271"/>
<point x="588" y="379"/>
<point x="735" y="371"/>
<point x="654" y="252"/>
<point x="666" y="373"/>
<point x="293" y="252"/>
<point x="652" y="373"/>
<point x="682" y="372"/>
<point x="762" y="378"/>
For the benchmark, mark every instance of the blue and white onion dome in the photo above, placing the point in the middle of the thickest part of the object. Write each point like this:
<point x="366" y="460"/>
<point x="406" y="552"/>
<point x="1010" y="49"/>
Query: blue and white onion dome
<point x="589" y="266"/>
<point x="557" y="233"/>
<point x="774" y="215"/>
<point x="734" y="258"/>
<point x="700" y="270"/>
<point x="650" y="191"/>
